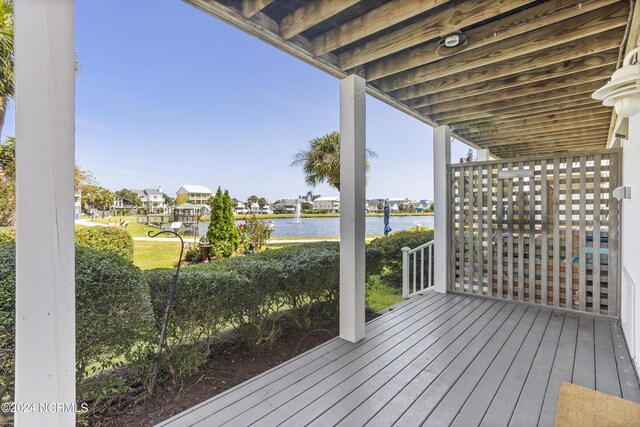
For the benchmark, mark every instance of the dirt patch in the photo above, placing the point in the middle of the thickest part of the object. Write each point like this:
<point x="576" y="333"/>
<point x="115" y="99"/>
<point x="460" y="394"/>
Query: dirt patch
<point x="230" y="364"/>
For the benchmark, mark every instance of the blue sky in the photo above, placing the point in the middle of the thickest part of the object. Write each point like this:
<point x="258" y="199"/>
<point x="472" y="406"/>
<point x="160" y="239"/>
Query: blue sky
<point x="168" y="95"/>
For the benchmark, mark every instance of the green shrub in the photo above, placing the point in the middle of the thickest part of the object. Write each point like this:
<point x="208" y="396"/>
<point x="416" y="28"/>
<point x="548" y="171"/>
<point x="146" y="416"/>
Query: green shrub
<point x="7" y="235"/>
<point x="198" y="312"/>
<point x="113" y="314"/>
<point x="389" y="250"/>
<point x="106" y="239"/>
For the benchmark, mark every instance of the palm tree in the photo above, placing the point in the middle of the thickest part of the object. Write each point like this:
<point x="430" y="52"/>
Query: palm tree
<point x="7" y="78"/>
<point x="321" y="163"/>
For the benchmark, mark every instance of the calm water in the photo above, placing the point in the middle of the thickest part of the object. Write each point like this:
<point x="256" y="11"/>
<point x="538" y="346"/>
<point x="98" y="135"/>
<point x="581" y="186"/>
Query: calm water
<point x="309" y="227"/>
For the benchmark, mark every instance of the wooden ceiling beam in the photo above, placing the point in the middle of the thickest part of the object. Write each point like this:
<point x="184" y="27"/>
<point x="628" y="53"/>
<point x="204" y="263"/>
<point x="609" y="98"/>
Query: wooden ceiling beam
<point x="311" y="14"/>
<point x="576" y="146"/>
<point x="492" y="32"/>
<point x="497" y="118"/>
<point x="566" y="136"/>
<point x="524" y="102"/>
<point x="545" y="38"/>
<point x="541" y="88"/>
<point x="372" y="22"/>
<point x="594" y="49"/>
<point x="517" y="83"/>
<point x="523" y="125"/>
<point x="508" y="119"/>
<point x="534" y="129"/>
<point x="437" y="25"/>
<point x="252" y="7"/>
<point x="570" y="103"/>
<point x="531" y="133"/>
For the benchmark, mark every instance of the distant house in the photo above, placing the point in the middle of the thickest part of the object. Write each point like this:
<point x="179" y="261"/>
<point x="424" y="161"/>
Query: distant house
<point x="284" y="206"/>
<point x="266" y="209"/>
<point x="241" y="209"/>
<point x="122" y="204"/>
<point x="198" y="195"/>
<point x="329" y="204"/>
<point x="152" y="199"/>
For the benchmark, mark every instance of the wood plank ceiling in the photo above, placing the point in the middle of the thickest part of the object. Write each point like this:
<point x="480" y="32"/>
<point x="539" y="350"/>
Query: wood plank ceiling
<point x="520" y="86"/>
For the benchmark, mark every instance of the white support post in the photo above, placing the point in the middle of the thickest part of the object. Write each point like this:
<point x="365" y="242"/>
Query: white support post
<point x="352" y="207"/>
<point x="441" y="158"/>
<point x="483" y="155"/>
<point x="45" y="267"/>
<point x="405" y="272"/>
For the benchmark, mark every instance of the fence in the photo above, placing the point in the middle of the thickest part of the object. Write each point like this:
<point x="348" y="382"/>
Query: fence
<point x="543" y="230"/>
<point x="422" y="278"/>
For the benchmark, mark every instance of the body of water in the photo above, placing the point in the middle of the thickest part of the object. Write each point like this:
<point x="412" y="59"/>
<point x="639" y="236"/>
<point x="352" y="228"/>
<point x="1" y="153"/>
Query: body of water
<point x="309" y="227"/>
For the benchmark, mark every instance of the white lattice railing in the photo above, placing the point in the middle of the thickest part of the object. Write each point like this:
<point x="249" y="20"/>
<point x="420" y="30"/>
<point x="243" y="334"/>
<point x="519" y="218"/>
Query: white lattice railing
<point x="417" y="268"/>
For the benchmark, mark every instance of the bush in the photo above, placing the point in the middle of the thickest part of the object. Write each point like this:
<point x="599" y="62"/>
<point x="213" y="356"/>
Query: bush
<point x="200" y="310"/>
<point x="7" y="235"/>
<point x="389" y="250"/>
<point x="113" y="314"/>
<point x="108" y="239"/>
<point x="102" y="238"/>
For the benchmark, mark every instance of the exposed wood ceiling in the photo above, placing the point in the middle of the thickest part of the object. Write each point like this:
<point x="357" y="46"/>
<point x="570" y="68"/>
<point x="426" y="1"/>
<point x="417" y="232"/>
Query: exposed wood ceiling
<point x="521" y="84"/>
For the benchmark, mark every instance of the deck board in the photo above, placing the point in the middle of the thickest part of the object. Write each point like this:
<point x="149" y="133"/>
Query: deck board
<point x="435" y="360"/>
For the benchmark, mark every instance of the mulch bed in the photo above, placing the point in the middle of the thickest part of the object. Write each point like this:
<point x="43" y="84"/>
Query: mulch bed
<point x="229" y="365"/>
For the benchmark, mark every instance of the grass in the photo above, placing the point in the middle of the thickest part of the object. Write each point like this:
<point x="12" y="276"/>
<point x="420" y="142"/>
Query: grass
<point x="134" y="228"/>
<point x="380" y="296"/>
<point x="150" y="255"/>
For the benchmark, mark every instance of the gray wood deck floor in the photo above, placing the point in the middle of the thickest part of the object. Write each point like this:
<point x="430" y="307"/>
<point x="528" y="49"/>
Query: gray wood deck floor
<point x="435" y="360"/>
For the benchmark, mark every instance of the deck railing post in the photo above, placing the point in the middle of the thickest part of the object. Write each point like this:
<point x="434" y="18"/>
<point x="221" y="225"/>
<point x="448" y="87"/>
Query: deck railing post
<point x="405" y="272"/>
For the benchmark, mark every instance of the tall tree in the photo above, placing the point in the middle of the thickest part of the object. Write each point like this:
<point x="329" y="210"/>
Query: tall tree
<point x="321" y="162"/>
<point x="223" y="233"/>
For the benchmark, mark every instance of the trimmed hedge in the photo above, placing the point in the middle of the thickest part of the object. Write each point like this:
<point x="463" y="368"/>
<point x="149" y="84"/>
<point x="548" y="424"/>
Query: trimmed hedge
<point x="108" y="239"/>
<point x="113" y="314"/>
<point x="251" y="293"/>
<point x="390" y="252"/>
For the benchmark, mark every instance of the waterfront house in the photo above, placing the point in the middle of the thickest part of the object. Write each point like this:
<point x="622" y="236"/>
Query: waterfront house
<point x="195" y="194"/>
<point x="152" y="200"/>
<point x="329" y="204"/>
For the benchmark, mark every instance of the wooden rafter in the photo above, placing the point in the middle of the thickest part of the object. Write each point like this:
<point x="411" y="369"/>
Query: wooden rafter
<point x="527" y="133"/>
<point x="596" y="48"/>
<point x="372" y="22"/>
<point x="526" y="102"/>
<point x="575" y="109"/>
<point x="542" y="39"/>
<point x="252" y="7"/>
<point x="545" y="123"/>
<point x="312" y="13"/>
<point x="491" y="33"/>
<point x="565" y="82"/>
<point x="437" y="25"/>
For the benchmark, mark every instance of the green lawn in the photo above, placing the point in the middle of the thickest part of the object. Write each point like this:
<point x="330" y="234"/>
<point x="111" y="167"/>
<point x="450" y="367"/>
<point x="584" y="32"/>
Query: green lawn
<point x="149" y="255"/>
<point x="380" y="296"/>
<point x="134" y="228"/>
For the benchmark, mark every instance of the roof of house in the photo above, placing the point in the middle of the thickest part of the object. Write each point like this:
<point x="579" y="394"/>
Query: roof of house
<point x="327" y="199"/>
<point x="188" y="188"/>
<point x="153" y="192"/>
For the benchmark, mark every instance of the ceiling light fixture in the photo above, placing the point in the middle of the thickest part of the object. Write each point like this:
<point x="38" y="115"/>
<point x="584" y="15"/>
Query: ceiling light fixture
<point x="623" y="90"/>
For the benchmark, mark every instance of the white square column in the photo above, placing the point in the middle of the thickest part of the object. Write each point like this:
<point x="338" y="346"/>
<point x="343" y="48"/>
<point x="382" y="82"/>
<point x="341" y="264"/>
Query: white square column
<point x="45" y="267"/>
<point x="441" y="159"/>
<point x="484" y="155"/>
<point x="352" y="207"/>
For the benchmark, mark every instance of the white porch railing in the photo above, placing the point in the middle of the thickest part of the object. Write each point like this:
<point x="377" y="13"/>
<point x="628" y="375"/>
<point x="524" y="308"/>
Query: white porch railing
<point x="414" y="261"/>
